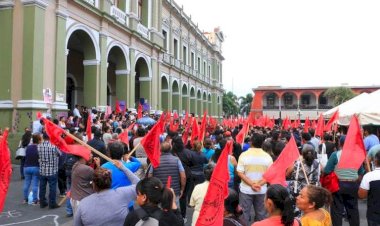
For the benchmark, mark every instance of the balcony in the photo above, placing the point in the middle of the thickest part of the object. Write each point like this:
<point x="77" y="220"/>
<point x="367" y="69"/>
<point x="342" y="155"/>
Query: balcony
<point x="271" y="107"/>
<point x="166" y="58"/>
<point x="143" y="31"/>
<point x="177" y="63"/>
<point x="290" y="106"/>
<point x="91" y="2"/>
<point x="118" y="14"/>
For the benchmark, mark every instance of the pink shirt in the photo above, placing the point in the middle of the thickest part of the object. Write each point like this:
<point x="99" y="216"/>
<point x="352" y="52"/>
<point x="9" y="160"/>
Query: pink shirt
<point x="273" y="221"/>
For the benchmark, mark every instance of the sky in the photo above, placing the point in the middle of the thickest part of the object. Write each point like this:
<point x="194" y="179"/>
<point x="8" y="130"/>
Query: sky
<point x="293" y="43"/>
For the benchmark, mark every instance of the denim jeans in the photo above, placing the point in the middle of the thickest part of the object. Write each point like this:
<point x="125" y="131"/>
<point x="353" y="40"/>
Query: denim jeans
<point x="69" y="209"/>
<point x="32" y="175"/>
<point x="52" y="180"/>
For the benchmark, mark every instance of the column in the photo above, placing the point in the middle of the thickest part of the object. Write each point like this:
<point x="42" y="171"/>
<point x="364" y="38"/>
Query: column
<point x="60" y="62"/>
<point x="91" y="85"/>
<point x="133" y="16"/>
<point x="6" y="24"/>
<point x="131" y="84"/>
<point x="156" y="79"/>
<point x="102" y="85"/>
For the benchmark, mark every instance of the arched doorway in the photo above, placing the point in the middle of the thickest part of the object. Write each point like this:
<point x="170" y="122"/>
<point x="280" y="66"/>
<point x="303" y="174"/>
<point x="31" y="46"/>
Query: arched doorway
<point x="142" y="82"/>
<point x="175" y="96"/>
<point x="199" y="102"/>
<point x="193" y="101"/>
<point x="164" y="94"/>
<point x="116" y="76"/>
<point x="83" y="66"/>
<point x="185" y="99"/>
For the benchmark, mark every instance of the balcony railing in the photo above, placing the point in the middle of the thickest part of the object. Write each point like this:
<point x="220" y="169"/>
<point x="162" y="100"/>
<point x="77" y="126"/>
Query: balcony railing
<point x="119" y="15"/>
<point x="91" y="2"/>
<point x="177" y="63"/>
<point x="166" y="58"/>
<point x="324" y="106"/>
<point x="270" y="107"/>
<point x="144" y="31"/>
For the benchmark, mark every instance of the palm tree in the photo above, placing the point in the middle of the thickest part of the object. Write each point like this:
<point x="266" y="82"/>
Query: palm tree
<point x="230" y="104"/>
<point x="245" y="104"/>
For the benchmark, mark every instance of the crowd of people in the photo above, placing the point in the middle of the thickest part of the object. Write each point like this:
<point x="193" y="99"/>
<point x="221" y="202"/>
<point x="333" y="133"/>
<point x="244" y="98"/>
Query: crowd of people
<point x="130" y="191"/>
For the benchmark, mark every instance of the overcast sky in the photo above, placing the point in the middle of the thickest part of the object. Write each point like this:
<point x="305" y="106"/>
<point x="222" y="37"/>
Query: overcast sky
<point x="293" y="43"/>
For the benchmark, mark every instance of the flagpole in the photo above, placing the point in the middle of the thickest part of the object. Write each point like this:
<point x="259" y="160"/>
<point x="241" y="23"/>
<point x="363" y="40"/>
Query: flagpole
<point x="304" y="172"/>
<point x="133" y="150"/>
<point x="88" y="146"/>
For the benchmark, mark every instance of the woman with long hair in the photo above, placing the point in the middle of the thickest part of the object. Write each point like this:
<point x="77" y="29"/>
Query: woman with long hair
<point x="279" y="206"/>
<point x="24" y="142"/>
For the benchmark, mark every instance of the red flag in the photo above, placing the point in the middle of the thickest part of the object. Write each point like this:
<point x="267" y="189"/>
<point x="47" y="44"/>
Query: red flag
<point x="353" y="153"/>
<point x="320" y="126"/>
<point x="123" y="137"/>
<point x="55" y="135"/>
<point x="333" y="118"/>
<point x="241" y="135"/>
<point x="39" y="115"/>
<point x="139" y="111"/>
<point x="151" y="143"/>
<point x="117" y="107"/>
<point x="80" y="150"/>
<point x="88" y="128"/>
<point x="212" y="209"/>
<point x="314" y="124"/>
<point x="5" y="168"/>
<point x="202" y="130"/>
<point x="169" y="182"/>
<point x="175" y="116"/>
<point x="194" y="131"/>
<point x="130" y="126"/>
<point x="276" y="172"/>
<point x="306" y="125"/>
<point x="286" y="123"/>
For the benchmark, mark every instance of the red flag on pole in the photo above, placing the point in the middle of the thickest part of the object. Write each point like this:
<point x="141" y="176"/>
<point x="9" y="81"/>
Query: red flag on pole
<point x="212" y="209"/>
<point x="55" y="135"/>
<point x="241" y="135"/>
<point x="306" y="125"/>
<point x="194" y="130"/>
<point x="117" y="107"/>
<point x="123" y="137"/>
<point x="320" y="126"/>
<point x="88" y="128"/>
<point x="151" y="143"/>
<point x="353" y="153"/>
<point x="139" y="111"/>
<point x="333" y="118"/>
<point x="5" y="168"/>
<point x="276" y="172"/>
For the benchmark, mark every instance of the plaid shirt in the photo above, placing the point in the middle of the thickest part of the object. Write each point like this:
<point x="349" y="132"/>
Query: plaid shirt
<point x="48" y="158"/>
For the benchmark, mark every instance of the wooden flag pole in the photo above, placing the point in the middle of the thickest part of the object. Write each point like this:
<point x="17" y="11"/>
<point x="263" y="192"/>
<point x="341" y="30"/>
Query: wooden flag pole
<point x="304" y="171"/>
<point x="133" y="150"/>
<point x="88" y="146"/>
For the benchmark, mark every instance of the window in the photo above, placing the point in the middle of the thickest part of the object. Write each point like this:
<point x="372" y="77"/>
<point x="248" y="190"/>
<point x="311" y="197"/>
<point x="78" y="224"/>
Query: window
<point x="199" y="64"/>
<point x="140" y="8"/>
<point x="175" y="49"/>
<point x="288" y="99"/>
<point x="184" y="55"/>
<point x="143" y="12"/>
<point x="322" y="100"/>
<point x="165" y="34"/>
<point x="204" y="67"/>
<point x="209" y="70"/>
<point x="270" y="100"/>
<point x="192" y="61"/>
<point x="305" y="100"/>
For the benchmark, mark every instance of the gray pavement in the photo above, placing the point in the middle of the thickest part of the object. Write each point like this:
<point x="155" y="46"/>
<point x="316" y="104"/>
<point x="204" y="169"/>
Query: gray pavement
<point x="16" y="213"/>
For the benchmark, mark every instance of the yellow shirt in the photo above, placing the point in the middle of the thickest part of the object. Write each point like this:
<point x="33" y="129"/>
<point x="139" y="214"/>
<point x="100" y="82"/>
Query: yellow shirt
<point x="197" y="198"/>
<point x="307" y="221"/>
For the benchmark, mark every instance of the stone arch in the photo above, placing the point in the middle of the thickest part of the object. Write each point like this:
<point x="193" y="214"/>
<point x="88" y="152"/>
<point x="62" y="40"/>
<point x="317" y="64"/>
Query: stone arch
<point x="147" y="59"/>
<point x="193" y="101"/>
<point x="143" y="80"/>
<point x="289" y="100"/>
<point x="94" y="36"/>
<point x="270" y="100"/>
<point x="307" y="100"/>
<point x="125" y="51"/>
<point x="175" y="95"/>
<point x="117" y="74"/>
<point x="165" y="92"/>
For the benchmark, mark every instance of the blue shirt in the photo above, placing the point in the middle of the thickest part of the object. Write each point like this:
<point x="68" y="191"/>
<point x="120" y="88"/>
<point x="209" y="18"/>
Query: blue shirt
<point x="208" y="153"/>
<point x="119" y="179"/>
<point x="246" y="146"/>
<point x="370" y="141"/>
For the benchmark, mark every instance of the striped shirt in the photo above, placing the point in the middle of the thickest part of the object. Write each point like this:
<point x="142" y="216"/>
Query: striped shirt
<point x="48" y="158"/>
<point x="253" y="163"/>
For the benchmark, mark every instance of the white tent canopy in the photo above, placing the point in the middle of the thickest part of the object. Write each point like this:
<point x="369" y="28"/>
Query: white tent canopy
<point x="366" y="106"/>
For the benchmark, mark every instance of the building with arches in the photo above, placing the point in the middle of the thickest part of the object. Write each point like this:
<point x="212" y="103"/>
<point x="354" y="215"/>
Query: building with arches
<point x="92" y="52"/>
<point x="295" y="102"/>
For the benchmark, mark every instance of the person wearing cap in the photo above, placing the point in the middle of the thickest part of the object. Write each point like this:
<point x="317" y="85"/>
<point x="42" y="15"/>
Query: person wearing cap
<point x="346" y="198"/>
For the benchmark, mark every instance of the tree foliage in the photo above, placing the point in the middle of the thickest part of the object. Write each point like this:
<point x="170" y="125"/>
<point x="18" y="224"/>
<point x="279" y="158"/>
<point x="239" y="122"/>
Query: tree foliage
<point x="230" y="104"/>
<point x="339" y="95"/>
<point x="245" y="104"/>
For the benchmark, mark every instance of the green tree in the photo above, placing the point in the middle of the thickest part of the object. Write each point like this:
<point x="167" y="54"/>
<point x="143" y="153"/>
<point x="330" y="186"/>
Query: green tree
<point x="245" y="104"/>
<point x="230" y="104"/>
<point x="339" y="94"/>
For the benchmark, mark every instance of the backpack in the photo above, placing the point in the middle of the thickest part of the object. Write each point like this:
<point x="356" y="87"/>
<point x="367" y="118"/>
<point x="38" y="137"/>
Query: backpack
<point x="146" y="220"/>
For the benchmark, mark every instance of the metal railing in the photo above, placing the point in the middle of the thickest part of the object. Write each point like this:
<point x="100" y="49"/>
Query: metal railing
<point x="119" y="15"/>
